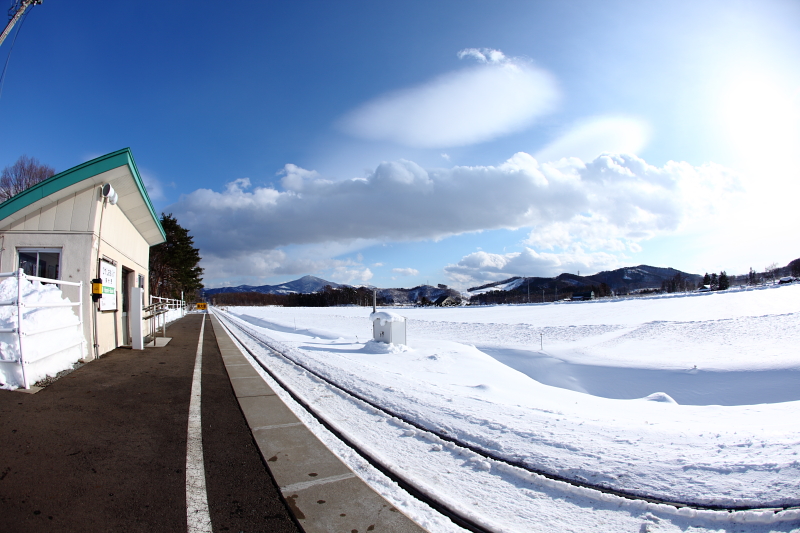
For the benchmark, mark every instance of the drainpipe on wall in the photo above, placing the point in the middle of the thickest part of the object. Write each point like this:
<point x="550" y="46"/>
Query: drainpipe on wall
<point x="95" y="305"/>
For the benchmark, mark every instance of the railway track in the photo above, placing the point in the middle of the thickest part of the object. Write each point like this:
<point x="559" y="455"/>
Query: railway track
<point x="240" y="331"/>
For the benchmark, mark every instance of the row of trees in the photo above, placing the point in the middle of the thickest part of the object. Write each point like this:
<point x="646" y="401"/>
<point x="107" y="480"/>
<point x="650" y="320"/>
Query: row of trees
<point x="716" y="283"/>
<point x="327" y="297"/>
<point x="678" y="283"/>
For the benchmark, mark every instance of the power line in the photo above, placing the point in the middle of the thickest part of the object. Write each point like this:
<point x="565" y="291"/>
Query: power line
<point x="8" y="58"/>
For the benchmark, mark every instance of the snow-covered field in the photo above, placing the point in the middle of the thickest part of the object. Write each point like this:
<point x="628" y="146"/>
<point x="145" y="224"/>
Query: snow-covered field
<point x="690" y="398"/>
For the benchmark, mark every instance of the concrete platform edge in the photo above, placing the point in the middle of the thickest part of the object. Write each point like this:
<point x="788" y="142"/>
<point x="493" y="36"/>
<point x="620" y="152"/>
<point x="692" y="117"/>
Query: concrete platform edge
<point x="320" y="490"/>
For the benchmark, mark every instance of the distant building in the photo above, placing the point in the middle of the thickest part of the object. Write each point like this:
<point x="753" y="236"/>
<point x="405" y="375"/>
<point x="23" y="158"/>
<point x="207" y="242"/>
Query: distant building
<point x="578" y="296"/>
<point x="446" y="300"/>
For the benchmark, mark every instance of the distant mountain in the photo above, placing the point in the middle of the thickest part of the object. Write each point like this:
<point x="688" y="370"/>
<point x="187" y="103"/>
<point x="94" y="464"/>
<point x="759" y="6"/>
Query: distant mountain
<point x="621" y="280"/>
<point x="304" y="285"/>
<point x="311" y="284"/>
<point x="640" y="277"/>
<point x="626" y="279"/>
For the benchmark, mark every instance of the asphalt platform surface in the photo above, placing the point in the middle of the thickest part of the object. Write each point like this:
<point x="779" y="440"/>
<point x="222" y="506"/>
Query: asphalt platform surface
<point x="104" y="448"/>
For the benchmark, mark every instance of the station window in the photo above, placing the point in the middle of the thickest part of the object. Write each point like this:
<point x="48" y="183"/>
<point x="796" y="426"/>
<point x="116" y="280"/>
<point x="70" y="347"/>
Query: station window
<point x="41" y="262"/>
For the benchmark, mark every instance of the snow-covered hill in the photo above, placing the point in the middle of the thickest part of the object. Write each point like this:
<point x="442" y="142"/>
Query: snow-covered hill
<point x="304" y="285"/>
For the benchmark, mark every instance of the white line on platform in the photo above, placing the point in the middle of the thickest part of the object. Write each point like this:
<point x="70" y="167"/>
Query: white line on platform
<point x="198" y="519"/>
<point x="307" y="484"/>
<point x="279" y="426"/>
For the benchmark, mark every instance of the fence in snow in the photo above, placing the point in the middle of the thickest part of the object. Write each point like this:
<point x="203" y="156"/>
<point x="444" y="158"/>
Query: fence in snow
<point x="20" y="329"/>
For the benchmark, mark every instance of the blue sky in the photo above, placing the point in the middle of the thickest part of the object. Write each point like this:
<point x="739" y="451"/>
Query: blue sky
<point x="450" y="142"/>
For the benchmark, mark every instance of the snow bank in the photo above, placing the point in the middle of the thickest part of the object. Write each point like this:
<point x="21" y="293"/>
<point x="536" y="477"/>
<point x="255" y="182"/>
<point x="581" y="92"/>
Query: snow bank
<point x="384" y="347"/>
<point x="173" y="315"/>
<point x="46" y="353"/>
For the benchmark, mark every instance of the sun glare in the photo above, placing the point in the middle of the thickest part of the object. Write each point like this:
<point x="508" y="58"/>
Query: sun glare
<point x="761" y="118"/>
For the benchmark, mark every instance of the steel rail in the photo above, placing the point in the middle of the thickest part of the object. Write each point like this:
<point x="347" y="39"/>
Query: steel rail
<point x="489" y="455"/>
<point x="442" y="508"/>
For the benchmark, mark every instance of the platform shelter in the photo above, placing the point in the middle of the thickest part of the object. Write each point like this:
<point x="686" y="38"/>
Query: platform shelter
<point x="92" y="221"/>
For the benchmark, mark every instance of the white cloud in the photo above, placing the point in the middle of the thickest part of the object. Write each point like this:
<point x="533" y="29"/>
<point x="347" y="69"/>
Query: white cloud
<point x="608" y="205"/>
<point x="406" y="271"/>
<point x="494" y="98"/>
<point x="402" y="201"/>
<point x="155" y="190"/>
<point x="294" y="177"/>
<point x="351" y="275"/>
<point x="256" y="266"/>
<point x="481" y="267"/>
<point x="483" y="55"/>
<point x="592" y="137"/>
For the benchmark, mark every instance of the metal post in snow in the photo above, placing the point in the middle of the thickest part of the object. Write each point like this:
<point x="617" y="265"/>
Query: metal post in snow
<point x="20" y="274"/>
<point x="80" y="315"/>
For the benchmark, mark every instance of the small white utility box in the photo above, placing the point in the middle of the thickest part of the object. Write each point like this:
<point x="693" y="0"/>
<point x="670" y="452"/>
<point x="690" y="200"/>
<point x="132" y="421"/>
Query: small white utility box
<point x="388" y="327"/>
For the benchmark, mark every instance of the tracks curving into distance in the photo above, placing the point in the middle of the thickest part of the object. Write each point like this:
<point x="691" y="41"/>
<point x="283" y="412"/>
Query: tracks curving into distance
<point x="233" y="326"/>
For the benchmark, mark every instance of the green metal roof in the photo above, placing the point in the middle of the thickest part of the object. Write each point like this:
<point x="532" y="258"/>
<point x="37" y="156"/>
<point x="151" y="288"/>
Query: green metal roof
<point x="77" y="174"/>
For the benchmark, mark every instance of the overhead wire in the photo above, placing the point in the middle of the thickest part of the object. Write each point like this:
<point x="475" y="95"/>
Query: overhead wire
<point x="8" y="58"/>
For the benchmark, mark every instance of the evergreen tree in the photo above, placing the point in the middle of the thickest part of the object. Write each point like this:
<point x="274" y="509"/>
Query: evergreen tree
<point x="173" y="264"/>
<point x="714" y="282"/>
<point x="724" y="282"/>
<point x="706" y="280"/>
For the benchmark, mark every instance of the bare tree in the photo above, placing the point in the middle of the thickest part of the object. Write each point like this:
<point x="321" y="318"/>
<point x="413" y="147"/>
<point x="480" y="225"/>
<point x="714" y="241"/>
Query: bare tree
<point x="770" y="270"/>
<point x="23" y="174"/>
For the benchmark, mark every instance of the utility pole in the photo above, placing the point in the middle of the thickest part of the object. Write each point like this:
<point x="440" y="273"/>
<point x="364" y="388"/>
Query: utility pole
<point x="20" y="6"/>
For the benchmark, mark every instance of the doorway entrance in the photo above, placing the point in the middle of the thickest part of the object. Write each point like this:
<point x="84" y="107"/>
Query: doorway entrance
<point x="127" y="283"/>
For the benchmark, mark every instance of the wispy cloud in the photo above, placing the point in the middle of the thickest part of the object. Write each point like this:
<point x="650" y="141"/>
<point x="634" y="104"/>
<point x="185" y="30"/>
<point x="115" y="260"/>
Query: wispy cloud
<point x="484" y="55"/>
<point x="154" y="187"/>
<point x="406" y="271"/>
<point x="592" y="137"/>
<point x="498" y="96"/>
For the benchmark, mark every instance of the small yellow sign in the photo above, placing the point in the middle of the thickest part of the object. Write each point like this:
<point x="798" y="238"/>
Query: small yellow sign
<point x="202" y="306"/>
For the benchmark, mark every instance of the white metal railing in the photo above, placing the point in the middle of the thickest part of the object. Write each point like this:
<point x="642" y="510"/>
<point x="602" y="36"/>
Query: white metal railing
<point x="171" y="303"/>
<point x="159" y="313"/>
<point x="22" y="332"/>
<point x="156" y="316"/>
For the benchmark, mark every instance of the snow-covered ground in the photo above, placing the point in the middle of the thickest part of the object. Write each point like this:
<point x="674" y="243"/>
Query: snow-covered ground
<point x="688" y="398"/>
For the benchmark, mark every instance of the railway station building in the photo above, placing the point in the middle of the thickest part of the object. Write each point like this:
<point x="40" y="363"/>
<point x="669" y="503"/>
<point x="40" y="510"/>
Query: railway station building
<point x="92" y="221"/>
